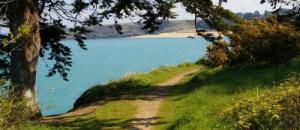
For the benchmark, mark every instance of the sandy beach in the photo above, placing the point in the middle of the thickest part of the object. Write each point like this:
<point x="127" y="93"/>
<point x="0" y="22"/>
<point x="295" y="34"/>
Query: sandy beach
<point x="175" y="35"/>
<point x="169" y="35"/>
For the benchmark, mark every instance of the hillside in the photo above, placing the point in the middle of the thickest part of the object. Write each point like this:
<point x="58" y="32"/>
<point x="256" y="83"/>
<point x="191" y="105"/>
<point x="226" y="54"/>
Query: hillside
<point x="131" y="29"/>
<point x="134" y="29"/>
<point x="174" y="26"/>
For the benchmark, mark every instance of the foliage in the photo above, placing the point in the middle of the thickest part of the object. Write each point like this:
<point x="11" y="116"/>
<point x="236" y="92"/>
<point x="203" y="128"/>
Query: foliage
<point x="278" y="108"/>
<point x="217" y="54"/>
<point x="4" y="63"/>
<point x="54" y="15"/>
<point x="264" y="42"/>
<point x="201" y="8"/>
<point x="286" y="15"/>
<point x="226" y="19"/>
<point x="216" y="17"/>
<point x="14" y="112"/>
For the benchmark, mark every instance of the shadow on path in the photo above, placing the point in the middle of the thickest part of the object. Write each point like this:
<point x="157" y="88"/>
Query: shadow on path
<point x="148" y="102"/>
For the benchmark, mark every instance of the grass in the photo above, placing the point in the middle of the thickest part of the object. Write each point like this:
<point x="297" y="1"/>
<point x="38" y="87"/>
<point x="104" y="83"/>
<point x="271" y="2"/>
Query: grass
<point x="195" y="103"/>
<point x="119" y="108"/>
<point x="132" y="86"/>
<point x="198" y="102"/>
<point x="112" y="115"/>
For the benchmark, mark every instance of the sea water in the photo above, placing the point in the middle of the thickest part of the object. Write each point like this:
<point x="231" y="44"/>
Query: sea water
<point x="108" y="59"/>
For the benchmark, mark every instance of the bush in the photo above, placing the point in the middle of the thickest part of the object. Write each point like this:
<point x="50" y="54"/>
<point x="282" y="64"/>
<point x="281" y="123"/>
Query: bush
<point x="276" y="109"/>
<point x="263" y="42"/>
<point x="13" y="110"/>
<point x="217" y="54"/>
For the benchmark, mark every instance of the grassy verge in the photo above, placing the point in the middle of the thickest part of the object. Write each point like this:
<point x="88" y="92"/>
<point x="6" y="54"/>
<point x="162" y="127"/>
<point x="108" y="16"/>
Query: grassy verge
<point x="119" y="95"/>
<point x="132" y="86"/>
<point x="198" y="102"/>
<point x="113" y="115"/>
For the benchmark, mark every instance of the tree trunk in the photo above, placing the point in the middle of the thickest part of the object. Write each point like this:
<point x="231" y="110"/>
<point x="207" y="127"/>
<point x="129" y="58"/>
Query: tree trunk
<point x="220" y="3"/>
<point x="25" y="54"/>
<point x="195" y="22"/>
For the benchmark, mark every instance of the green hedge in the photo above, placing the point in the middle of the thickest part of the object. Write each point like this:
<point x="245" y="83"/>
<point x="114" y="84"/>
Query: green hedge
<point x="278" y="108"/>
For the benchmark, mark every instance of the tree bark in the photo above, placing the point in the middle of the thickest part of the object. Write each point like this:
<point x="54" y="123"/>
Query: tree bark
<point x="220" y="3"/>
<point x="25" y="54"/>
<point x="195" y="22"/>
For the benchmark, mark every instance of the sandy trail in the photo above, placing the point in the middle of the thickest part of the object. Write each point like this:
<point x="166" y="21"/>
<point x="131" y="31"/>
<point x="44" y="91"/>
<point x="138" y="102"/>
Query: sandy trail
<point x="78" y="112"/>
<point x="149" y="106"/>
<point x="169" y="35"/>
<point x="177" y="35"/>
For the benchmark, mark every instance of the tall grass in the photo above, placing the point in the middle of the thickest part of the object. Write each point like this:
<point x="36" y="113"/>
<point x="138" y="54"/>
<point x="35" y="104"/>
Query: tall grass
<point x="14" y="110"/>
<point x="198" y="103"/>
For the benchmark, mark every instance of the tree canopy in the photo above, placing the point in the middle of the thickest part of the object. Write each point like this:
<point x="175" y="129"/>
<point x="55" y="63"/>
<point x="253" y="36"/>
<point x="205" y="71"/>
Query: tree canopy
<point x="287" y="10"/>
<point x="55" y="14"/>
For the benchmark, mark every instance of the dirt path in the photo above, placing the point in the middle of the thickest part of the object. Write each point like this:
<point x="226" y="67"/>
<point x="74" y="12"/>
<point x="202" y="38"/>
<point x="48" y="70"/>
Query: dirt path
<point x="149" y="106"/>
<point x="78" y="112"/>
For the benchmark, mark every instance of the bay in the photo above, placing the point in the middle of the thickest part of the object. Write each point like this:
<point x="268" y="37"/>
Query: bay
<point x="108" y="59"/>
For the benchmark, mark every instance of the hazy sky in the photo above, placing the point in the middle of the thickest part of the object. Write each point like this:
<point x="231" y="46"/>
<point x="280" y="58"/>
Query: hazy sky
<point x="245" y="5"/>
<point x="233" y="5"/>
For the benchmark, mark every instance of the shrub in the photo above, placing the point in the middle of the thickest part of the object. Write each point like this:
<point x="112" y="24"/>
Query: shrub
<point x="13" y="110"/>
<point x="217" y="54"/>
<point x="276" y="109"/>
<point x="263" y="42"/>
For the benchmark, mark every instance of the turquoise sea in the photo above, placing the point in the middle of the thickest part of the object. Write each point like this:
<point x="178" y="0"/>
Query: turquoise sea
<point x="108" y="59"/>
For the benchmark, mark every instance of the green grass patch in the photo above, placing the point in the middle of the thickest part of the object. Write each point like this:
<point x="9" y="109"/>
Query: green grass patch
<point x="112" y="115"/>
<point x="37" y="126"/>
<point x="198" y="103"/>
<point x="119" y="108"/>
<point x="132" y="86"/>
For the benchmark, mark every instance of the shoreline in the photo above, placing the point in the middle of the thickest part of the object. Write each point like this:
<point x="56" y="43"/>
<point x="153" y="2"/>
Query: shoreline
<point x="145" y="36"/>
<point x="168" y="35"/>
<point x="159" y="35"/>
<point x="176" y="35"/>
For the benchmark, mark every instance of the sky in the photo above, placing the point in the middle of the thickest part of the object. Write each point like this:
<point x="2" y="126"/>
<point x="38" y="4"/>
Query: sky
<point x="245" y="5"/>
<point x="233" y="5"/>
